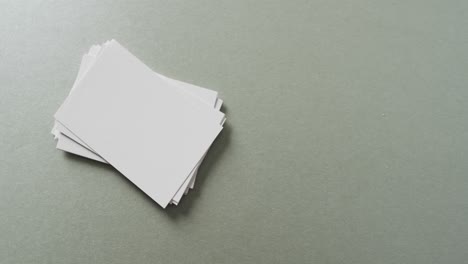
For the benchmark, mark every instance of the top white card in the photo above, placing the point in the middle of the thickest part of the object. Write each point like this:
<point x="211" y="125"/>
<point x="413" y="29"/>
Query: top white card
<point x="151" y="132"/>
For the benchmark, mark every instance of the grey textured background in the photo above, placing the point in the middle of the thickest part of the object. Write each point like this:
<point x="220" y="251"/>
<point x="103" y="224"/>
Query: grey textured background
<point x="346" y="140"/>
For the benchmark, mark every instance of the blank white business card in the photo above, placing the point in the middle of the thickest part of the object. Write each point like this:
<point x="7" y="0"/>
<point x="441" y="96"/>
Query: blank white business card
<point x="127" y="137"/>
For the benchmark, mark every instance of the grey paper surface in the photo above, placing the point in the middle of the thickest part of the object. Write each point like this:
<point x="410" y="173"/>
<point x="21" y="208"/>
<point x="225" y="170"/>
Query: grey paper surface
<point x="346" y="142"/>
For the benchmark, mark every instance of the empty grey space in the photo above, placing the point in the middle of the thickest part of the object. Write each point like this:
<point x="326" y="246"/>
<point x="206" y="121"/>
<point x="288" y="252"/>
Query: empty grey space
<point x="346" y="139"/>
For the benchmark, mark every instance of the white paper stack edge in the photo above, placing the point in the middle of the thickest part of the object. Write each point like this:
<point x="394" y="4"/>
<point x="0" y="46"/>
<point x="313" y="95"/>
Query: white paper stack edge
<point x="153" y="129"/>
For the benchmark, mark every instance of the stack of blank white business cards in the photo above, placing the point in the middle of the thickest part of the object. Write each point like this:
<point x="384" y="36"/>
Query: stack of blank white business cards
<point x="153" y="129"/>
